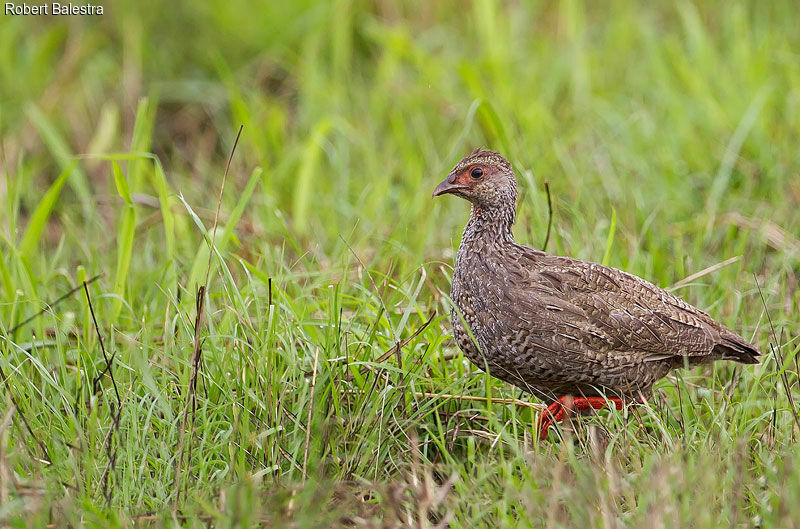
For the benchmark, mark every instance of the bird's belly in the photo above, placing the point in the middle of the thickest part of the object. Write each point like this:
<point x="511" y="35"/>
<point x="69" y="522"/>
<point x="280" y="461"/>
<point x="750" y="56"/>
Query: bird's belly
<point x="464" y="338"/>
<point x="530" y="372"/>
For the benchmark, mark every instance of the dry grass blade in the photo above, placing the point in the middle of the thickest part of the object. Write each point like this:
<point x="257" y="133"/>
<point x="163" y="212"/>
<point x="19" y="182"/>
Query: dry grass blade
<point x="418" y="503"/>
<point x="310" y="415"/>
<point x="5" y="474"/>
<point x="399" y="345"/>
<point x="775" y="236"/>
<point x="549" y="215"/>
<point x="705" y="271"/>
<point x="197" y="344"/>
<point x="112" y="454"/>
<point x="374" y="285"/>
<point x="53" y="303"/>
<point x="219" y="201"/>
<point x="467" y="398"/>
<point x="776" y="346"/>
<point x="190" y="394"/>
<point x="7" y="419"/>
<point x="15" y="404"/>
<point x="102" y="345"/>
<point x="475" y="398"/>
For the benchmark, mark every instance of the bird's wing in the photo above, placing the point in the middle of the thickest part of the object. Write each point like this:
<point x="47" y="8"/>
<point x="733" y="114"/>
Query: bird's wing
<point x="605" y="310"/>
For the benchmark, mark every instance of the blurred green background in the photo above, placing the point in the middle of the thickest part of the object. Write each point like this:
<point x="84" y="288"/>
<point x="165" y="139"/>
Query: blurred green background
<point x="668" y="134"/>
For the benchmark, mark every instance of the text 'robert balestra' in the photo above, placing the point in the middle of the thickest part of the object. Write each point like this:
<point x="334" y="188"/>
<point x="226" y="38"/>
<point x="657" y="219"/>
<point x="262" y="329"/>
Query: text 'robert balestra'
<point x="53" y="9"/>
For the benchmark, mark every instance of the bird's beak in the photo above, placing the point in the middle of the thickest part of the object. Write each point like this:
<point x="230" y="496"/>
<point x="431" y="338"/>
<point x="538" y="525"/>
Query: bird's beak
<point x="448" y="185"/>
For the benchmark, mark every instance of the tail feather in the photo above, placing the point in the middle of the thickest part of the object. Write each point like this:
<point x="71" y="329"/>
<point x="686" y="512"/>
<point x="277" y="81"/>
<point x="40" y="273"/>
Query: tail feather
<point x="737" y="349"/>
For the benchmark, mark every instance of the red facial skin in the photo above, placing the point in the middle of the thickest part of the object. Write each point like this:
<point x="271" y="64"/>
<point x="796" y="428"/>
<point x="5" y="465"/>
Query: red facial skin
<point x="462" y="180"/>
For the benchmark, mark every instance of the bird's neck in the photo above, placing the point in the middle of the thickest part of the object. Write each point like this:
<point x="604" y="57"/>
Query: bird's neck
<point x="489" y="225"/>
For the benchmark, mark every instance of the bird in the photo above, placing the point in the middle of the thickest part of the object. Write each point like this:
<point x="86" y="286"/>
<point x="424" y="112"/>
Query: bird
<point x="579" y="335"/>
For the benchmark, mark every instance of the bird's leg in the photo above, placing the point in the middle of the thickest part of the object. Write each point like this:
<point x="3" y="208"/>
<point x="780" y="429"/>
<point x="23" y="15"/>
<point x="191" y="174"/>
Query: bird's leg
<point x="556" y="411"/>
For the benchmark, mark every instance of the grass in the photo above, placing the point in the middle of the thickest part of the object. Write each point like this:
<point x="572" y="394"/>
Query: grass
<point x="668" y="136"/>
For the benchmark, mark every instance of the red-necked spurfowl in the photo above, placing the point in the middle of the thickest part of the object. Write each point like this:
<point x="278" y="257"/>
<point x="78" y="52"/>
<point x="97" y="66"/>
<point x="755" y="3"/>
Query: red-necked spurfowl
<point x="577" y="334"/>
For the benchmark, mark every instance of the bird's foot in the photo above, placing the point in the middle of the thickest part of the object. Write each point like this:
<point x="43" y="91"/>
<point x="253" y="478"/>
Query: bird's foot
<point x="556" y="411"/>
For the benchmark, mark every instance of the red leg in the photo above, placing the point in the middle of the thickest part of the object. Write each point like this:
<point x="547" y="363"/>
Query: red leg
<point x="556" y="411"/>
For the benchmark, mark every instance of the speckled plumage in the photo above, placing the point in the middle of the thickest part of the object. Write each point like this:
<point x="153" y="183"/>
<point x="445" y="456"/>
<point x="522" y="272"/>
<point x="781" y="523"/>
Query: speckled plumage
<point x="559" y="326"/>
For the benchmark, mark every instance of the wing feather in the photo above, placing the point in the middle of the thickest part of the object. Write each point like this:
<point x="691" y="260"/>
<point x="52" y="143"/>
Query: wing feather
<point x="620" y="313"/>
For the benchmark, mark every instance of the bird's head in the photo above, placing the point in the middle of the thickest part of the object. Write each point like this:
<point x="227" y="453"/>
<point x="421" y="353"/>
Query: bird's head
<point x="484" y="178"/>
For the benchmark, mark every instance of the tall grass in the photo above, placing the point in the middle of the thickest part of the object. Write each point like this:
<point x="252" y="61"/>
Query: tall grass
<point x="668" y="135"/>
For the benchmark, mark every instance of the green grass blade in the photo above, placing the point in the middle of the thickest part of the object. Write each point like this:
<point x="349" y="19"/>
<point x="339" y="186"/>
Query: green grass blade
<point x="61" y="152"/>
<point x="308" y="167"/>
<point x="200" y="262"/>
<point x="238" y="210"/>
<point x="141" y="140"/>
<point x="122" y="184"/>
<point x="610" y="239"/>
<point x="42" y="212"/>
<point x="5" y="276"/>
<point x="125" y="237"/>
<point x="167" y="217"/>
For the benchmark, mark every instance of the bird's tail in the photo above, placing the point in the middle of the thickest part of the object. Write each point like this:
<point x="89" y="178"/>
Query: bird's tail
<point x="737" y="349"/>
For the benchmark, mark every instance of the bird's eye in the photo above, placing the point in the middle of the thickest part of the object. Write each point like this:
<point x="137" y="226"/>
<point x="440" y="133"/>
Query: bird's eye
<point x="476" y="173"/>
